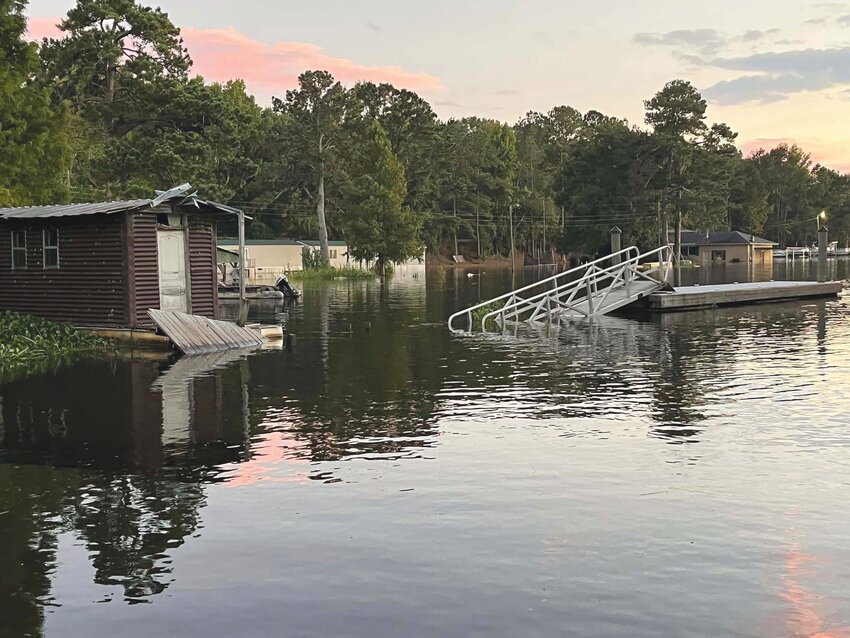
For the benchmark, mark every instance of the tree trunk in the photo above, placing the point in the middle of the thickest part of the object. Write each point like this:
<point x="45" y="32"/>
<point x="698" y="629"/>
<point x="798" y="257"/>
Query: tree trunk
<point x="320" y="213"/>
<point x="110" y="98"/>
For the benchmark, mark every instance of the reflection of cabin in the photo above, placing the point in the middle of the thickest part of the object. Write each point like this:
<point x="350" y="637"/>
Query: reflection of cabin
<point x="106" y="264"/>
<point x="726" y="246"/>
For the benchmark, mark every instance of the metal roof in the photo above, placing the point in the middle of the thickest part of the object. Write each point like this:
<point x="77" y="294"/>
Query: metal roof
<point x="102" y="208"/>
<point x="279" y="242"/>
<point x="734" y="237"/>
<point x="69" y="210"/>
<point x="724" y="237"/>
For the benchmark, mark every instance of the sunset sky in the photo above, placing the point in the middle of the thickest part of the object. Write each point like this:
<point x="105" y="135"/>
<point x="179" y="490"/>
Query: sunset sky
<point x="775" y="70"/>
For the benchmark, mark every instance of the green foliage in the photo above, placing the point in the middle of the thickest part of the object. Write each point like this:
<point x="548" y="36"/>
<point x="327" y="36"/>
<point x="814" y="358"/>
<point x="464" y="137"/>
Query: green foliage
<point x="318" y="111"/>
<point x="479" y="313"/>
<point x="326" y="273"/>
<point x="33" y="135"/>
<point x="25" y="339"/>
<point x="111" y="110"/>
<point x="379" y="226"/>
<point x="311" y="259"/>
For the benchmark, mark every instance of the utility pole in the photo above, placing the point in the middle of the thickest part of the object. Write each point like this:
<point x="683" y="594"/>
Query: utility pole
<point x="478" y="230"/>
<point x="243" y="303"/>
<point x="477" y="221"/>
<point x="823" y="242"/>
<point x="454" y="205"/>
<point x="545" y="247"/>
<point x="511" y="222"/>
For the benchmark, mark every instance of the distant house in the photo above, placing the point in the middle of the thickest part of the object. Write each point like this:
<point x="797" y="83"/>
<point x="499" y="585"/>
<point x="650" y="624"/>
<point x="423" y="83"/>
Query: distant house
<point x="727" y="246"/>
<point x="265" y="259"/>
<point x="105" y="264"/>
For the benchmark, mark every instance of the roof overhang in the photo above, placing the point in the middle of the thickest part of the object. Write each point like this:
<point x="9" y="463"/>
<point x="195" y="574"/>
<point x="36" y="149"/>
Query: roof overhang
<point x="180" y="196"/>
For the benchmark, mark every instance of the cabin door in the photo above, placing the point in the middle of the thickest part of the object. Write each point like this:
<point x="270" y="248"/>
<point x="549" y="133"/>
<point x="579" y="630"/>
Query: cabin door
<point x="172" y="270"/>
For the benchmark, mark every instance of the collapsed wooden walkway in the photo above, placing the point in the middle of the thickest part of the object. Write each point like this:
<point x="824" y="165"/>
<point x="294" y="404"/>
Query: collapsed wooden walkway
<point x="193" y="334"/>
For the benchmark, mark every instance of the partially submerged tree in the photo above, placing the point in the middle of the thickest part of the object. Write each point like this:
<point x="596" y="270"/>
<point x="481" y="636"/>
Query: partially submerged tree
<point x="380" y="227"/>
<point x="319" y="109"/>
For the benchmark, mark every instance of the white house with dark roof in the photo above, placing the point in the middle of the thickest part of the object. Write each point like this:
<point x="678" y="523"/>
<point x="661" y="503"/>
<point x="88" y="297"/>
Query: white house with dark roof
<point x="727" y="246"/>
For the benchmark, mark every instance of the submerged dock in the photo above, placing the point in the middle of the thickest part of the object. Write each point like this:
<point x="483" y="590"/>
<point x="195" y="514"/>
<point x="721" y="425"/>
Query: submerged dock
<point x="699" y="297"/>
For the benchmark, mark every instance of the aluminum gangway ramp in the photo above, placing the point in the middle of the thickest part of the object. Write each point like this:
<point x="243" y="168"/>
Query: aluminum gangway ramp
<point x="590" y="290"/>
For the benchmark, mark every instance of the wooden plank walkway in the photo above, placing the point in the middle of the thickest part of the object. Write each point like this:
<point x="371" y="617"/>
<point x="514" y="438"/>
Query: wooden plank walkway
<point x="695" y="297"/>
<point x="193" y="334"/>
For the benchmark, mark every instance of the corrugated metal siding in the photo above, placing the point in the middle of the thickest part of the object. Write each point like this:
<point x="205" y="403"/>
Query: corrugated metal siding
<point x="87" y="289"/>
<point x="202" y="256"/>
<point x="146" y="257"/>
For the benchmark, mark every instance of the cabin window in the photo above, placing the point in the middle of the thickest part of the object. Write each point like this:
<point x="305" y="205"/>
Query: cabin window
<point x="50" y="238"/>
<point x="333" y="254"/>
<point x="19" y="249"/>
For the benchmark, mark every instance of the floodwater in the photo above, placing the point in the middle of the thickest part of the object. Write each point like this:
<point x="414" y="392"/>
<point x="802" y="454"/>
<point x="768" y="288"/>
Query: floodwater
<point x="685" y="475"/>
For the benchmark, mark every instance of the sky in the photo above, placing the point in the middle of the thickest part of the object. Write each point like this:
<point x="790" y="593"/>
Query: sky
<point x="776" y="71"/>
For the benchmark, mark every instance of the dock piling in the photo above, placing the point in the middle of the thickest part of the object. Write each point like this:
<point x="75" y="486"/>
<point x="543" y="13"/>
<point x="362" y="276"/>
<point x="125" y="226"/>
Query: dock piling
<point x="616" y="244"/>
<point x="823" y="242"/>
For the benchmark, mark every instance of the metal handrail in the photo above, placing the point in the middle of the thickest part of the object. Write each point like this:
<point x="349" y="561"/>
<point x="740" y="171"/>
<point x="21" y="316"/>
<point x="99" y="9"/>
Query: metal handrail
<point x="591" y="276"/>
<point x="627" y="252"/>
<point x="615" y="276"/>
<point x="589" y="281"/>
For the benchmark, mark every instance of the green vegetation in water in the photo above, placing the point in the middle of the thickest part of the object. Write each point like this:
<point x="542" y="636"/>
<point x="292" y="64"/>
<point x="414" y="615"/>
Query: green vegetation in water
<point x="479" y="314"/>
<point x="26" y="340"/>
<point x="329" y="272"/>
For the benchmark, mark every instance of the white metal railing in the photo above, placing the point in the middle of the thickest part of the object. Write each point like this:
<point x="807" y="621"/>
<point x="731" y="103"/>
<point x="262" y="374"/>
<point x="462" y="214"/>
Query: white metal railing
<point x="584" y="290"/>
<point x="626" y="253"/>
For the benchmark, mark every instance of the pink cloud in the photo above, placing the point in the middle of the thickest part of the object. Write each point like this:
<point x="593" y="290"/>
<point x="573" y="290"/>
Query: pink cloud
<point x="44" y="28"/>
<point x="227" y="54"/>
<point x="827" y="155"/>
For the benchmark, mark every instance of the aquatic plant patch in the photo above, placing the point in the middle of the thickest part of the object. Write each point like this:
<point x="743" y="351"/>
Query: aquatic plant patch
<point x="330" y="273"/>
<point x="24" y="338"/>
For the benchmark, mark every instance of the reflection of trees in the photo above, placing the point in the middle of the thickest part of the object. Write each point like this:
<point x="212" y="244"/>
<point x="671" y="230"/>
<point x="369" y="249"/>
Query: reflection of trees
<point x="30" y="499"/>
<point x="674" y="368"/>
<point x="368" y="388"/>
<point x="700" y="351"/>
<point x="84" y="451"/>
<point x="130" y="524"/>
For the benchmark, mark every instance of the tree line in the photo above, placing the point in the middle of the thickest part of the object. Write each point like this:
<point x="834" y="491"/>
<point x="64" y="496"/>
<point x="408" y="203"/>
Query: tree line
<point x="111" y="110"/>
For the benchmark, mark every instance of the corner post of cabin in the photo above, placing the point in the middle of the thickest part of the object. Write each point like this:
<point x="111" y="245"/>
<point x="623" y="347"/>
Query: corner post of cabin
<point x="823" y="241"/>
<point x="187" y="259"/>
<point x="243" y="304"/>
<point x="130" y="270"/>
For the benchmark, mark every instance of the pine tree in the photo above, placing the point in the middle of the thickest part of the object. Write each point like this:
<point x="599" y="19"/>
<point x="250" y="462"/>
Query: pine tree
<point x="34" y="147"/>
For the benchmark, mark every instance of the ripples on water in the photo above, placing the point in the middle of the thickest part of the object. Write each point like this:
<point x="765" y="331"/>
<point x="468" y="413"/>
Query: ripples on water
<point x="680" y="475"/>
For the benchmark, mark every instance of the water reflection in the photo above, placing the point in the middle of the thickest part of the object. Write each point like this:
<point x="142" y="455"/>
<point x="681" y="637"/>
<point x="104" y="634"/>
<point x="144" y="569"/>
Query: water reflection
<point x="127" y="457"/>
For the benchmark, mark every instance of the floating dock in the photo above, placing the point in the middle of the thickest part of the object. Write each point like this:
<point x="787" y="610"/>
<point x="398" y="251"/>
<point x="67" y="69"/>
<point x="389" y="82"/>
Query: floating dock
<point x="698" y="297"/>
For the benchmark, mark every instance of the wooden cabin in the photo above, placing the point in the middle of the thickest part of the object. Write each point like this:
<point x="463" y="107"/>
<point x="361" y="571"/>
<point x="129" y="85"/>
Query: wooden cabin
<point x="106" y="264"/>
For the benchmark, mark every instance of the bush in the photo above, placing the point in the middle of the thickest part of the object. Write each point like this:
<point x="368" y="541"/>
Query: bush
<point x="311" y="258"/>
<point x="24" y="339"/>
<point x="329" y="272"/>
<point x="479" y="314"/>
